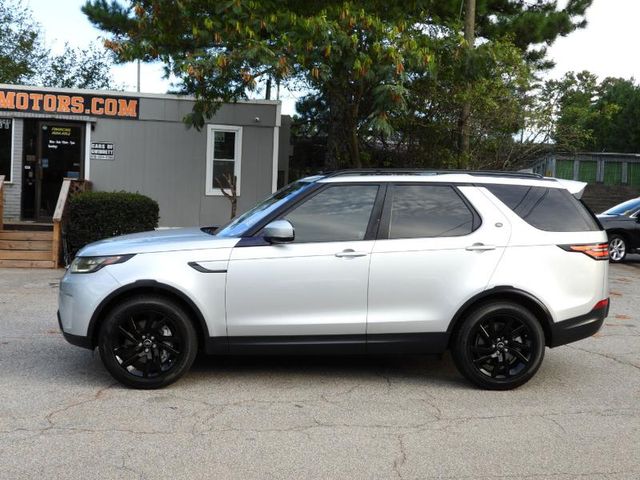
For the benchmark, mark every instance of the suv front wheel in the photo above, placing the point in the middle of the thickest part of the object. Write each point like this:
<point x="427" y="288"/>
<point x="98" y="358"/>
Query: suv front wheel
<point x="499" y="346"/>
<point x="147" y="342"/>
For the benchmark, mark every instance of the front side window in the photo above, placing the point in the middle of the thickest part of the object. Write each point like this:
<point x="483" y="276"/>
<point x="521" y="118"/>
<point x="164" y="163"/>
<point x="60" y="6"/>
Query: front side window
<point x="224" y="145"/>
<point x="338" y="213"/>
<point x="6" y="131"/>
<point x="239" y="226"/>
<point x="428" y="211"/>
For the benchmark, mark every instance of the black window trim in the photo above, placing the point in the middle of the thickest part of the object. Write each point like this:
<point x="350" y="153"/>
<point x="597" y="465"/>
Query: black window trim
<point x="9" y="175"/>
<point x="384" y="230"/>
<point x="253" y="239"/>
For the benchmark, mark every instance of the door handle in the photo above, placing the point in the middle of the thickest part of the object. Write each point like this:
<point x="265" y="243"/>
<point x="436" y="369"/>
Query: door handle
<point x="480" y="247"/>
<point x="349" y="253"/>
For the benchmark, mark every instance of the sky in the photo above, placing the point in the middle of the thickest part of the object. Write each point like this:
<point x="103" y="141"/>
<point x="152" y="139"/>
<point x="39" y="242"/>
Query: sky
<point x="606" y="47"/>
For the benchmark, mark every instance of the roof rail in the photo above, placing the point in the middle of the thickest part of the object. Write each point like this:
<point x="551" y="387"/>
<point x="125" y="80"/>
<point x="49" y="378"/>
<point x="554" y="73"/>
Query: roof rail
<point x="402" y="171"/>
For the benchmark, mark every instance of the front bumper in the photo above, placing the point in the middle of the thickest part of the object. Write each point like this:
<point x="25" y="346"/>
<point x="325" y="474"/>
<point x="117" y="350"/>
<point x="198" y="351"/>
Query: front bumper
<point x="577" y="328"/>
<point x="79" y="296"/>
<point x="77" y="340"/>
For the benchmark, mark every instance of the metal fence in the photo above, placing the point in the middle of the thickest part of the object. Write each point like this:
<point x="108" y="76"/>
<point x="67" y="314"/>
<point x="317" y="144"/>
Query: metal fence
<point x="604" y="168"/>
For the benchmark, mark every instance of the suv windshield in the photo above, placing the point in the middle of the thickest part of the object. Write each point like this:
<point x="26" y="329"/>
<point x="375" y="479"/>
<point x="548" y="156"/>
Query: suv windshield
<point x="238" y="226"/>
<point x="625" y="208"/>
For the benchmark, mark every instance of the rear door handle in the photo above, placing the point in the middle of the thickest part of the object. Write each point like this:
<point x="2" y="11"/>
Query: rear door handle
<point x="480" y="247"/>
<point x="349" y="253"/>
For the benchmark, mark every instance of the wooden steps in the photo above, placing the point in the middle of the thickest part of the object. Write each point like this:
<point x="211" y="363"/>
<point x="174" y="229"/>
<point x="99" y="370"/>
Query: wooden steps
<point x="26" y="249"/>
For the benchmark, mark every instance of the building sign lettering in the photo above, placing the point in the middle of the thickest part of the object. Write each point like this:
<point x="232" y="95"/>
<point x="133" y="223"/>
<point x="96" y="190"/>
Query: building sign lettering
<point x="102" y="151"/>
<point x="69" y="104"/>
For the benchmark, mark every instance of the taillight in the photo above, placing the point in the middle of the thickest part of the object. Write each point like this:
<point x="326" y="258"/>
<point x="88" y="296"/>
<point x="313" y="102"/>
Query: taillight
<point x="602" y="304"/>
<point x="598" y="251"/>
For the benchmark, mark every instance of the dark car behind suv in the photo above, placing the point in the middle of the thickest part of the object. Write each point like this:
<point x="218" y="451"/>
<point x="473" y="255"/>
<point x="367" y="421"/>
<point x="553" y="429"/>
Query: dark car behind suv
<point x="622" y="224"/>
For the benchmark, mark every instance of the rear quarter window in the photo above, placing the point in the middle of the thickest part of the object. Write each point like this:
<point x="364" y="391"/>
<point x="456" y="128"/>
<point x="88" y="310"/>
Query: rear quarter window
<point x="548" y="209"/>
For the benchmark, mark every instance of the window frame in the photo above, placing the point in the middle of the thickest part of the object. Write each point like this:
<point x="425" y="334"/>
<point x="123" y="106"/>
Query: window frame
<point x="11" y="153"/>
<point x="385" y="224"/>
<point x="210" y="190"/>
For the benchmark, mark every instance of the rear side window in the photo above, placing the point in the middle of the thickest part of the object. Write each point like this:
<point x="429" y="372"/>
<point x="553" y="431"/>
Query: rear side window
<point x="549" y="209"/>
<point x="426" y="211"/>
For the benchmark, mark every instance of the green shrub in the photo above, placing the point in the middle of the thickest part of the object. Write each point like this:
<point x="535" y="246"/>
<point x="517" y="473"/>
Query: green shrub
<point x="97" y="215"/>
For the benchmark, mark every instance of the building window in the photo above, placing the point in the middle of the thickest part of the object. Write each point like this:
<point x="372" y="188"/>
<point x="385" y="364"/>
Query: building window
<point x="6" y="144"/>
<point x="224" y="154"/>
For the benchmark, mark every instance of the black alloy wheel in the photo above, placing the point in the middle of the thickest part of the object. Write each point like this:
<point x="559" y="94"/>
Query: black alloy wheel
<point x="500" y="346"/>
<point x="147" y="342"/>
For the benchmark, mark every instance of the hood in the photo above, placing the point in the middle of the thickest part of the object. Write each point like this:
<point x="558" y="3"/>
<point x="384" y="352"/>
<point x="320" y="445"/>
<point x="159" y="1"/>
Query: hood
<point x="157" y="241"/>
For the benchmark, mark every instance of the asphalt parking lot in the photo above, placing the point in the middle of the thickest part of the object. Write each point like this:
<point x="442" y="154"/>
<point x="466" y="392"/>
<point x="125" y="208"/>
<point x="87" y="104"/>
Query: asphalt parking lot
<point x="62" y="416"/>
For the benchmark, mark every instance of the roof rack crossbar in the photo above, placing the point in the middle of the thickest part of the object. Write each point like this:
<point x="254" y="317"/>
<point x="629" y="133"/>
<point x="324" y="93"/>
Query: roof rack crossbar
<point x="407" y="171"/>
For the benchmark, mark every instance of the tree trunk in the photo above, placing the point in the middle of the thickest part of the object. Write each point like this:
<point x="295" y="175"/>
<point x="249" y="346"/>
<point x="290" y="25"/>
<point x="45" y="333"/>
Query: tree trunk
<point x="463" y="122"/>
<point x="343" y="144"/>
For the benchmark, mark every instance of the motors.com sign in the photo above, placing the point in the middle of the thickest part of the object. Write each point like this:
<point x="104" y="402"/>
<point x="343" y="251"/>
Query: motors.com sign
<point x="69" y="104"/>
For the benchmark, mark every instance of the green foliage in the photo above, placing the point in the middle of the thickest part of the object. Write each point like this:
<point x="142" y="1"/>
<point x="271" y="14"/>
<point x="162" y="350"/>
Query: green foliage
<point x="365" y="63"/>
<point x="88" y="67"/>
<point x="22" y="50"/>
<point x="355" y="53"/>
<point x="94" y="216"/>
<point x="595" y="116"/>
<point x="24" y="58"/>
<point x="499" y="101"/>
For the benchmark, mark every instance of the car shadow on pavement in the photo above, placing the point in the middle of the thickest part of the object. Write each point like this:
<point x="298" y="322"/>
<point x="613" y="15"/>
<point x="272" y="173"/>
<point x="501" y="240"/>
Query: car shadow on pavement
<point x="429" y="370"/>
<point x="632" y="260"/>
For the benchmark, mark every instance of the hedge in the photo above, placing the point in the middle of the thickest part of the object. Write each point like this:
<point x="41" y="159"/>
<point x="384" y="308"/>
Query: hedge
<point x="94" y="216"/>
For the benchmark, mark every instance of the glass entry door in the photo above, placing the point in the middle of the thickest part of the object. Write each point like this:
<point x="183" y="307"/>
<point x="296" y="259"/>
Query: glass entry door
<point x="60" y="155"/>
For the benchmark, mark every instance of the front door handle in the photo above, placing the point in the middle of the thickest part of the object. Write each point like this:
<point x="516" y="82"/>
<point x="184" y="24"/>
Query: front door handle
<point x="480" y="247"/>
<point x="349" y="253"/>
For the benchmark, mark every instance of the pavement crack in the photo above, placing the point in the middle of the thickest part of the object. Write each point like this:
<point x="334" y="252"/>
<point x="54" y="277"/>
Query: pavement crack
<point x="400" y="460"/>
<point x="555" y="422"/>
<point x="604" y="355"/>
<point x="124" y="467"/>
<point x="96" y="396"/>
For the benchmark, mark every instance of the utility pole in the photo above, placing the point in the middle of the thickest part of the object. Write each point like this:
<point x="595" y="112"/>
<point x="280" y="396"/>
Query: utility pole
<point x="463" y="121"/>
<point x="138" y="68"/>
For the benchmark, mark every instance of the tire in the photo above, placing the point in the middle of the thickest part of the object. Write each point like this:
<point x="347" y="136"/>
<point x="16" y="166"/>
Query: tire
<point x="147" y="342"/>
<point x="499" y="346"/>
<point x="617" y="248"/>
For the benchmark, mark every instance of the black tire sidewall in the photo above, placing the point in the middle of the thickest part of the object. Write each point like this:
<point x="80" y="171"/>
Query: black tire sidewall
<point x="462" y="357"/>
<point x="614" y="236"/>
<point x="137" y="304"/>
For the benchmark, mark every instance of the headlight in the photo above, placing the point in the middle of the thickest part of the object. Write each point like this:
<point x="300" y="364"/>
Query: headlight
<point x="93" y="264"/>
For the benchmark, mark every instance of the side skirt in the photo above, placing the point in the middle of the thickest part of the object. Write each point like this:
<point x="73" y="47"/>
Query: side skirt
<point x="391" y="343"/>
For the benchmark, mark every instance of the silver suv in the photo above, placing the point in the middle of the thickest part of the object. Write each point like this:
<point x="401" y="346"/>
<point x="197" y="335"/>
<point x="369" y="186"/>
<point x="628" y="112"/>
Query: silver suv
<point x="493" y="266"/>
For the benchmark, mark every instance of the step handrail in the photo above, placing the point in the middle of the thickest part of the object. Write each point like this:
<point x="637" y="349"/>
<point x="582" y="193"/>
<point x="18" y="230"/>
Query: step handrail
<point x="69" y="187"/>
<point x="1" y="202"/>
<point x="57" y="221"/>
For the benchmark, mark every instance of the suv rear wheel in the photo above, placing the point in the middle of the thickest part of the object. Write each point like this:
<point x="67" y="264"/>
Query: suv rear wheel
<point x="499" y="346"/>
<point x="147" y="342"/>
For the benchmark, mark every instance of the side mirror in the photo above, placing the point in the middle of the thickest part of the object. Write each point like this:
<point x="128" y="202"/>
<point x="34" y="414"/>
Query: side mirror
<point x="279" y="231"/>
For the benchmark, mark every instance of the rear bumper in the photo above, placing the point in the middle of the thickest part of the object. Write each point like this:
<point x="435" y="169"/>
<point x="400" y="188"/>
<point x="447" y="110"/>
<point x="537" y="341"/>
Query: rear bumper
<point x="577" y="328"/>
<point x="77" y="340"/>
